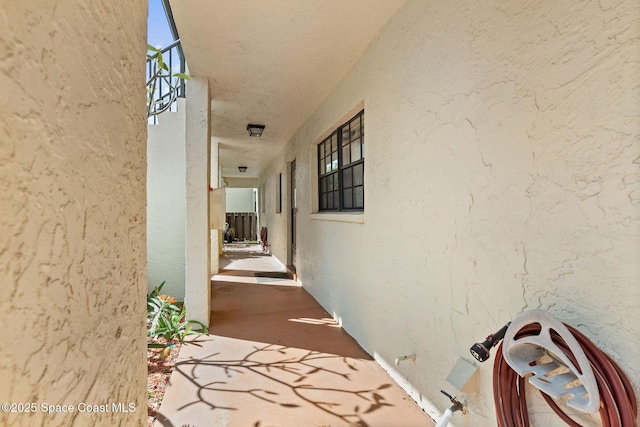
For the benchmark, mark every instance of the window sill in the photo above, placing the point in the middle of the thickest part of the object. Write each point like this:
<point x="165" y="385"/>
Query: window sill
<point x="354" y="217"/>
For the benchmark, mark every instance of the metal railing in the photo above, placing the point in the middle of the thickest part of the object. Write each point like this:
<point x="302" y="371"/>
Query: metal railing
<point x="163" y="88"/>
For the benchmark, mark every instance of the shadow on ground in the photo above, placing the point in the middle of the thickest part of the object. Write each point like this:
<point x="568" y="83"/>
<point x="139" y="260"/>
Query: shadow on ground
<point x="275" y="357"/>
<point x="284" y="378"/>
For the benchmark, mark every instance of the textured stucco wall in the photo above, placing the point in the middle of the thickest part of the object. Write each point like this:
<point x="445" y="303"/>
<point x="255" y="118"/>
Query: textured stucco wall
<point x="198" y="236"/>
<point x="241" y="200"/>
<point x="166" y="202"/>
<point x="501" y="175"/>
<point x="72" y="223"/>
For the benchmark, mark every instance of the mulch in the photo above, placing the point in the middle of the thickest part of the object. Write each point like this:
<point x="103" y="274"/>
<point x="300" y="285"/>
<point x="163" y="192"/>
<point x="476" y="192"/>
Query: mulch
<point x="161" y="363"/>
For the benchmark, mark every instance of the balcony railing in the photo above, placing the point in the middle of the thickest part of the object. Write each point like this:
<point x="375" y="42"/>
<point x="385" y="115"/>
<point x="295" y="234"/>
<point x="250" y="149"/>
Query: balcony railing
<point x="163" y="88"/>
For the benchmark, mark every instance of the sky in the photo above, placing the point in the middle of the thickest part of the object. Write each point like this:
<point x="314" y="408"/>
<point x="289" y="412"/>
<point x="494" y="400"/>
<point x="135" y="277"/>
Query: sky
<point x="158" y="32"/>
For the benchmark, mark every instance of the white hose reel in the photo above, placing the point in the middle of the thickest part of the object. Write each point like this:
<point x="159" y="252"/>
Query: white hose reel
<point x="553" y="372"/>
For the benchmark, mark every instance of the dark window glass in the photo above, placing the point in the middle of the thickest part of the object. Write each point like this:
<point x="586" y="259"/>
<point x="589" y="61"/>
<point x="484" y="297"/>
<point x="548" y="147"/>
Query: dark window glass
<point x="358" y="174"/>
<point x="341" y="167"/>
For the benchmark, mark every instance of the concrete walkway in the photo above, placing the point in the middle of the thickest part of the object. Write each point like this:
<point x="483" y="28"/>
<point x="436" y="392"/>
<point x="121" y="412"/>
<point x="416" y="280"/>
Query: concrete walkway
<point x="275" y="358"/>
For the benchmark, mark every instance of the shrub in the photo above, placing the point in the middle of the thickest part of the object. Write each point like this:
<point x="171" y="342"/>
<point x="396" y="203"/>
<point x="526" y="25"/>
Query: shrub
<point x="166" y="318"/>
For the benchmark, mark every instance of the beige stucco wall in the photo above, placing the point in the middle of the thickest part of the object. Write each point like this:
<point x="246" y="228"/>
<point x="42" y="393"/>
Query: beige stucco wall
<point x="72" y="223"/>
<point x="502" y="174"/>
<point x="166" y="202"/>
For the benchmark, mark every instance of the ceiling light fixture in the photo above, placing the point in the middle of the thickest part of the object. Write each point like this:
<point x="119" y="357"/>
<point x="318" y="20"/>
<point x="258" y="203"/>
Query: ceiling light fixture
<point x="242" y="168"/>
<point x="255" y="130"/>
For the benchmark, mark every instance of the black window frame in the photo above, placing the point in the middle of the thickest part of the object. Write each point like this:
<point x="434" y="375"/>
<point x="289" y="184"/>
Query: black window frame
<point x="341" y="180"/>
<point x="279" y="194"/>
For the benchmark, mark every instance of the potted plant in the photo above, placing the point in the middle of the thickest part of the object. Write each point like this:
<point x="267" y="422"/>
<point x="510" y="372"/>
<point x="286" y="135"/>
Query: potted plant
<point x="231" y="234"/>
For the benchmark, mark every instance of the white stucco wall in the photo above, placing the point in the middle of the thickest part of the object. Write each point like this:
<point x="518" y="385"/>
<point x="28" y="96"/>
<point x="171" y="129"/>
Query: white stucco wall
<point x="198" y="235"/>
<point x="216" y="211"/>
<point x="166" y="202"/>
<point x="72" y="223"/>
<point x="501" y="175"/>
<point x="241" y="200"/>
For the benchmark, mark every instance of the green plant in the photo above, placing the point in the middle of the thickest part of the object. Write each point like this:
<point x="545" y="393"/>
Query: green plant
<point x="160" y="73"/>
<point x="166" y="318"/>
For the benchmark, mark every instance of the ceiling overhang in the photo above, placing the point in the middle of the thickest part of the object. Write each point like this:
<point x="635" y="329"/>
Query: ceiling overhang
<point x="271" y="62"/>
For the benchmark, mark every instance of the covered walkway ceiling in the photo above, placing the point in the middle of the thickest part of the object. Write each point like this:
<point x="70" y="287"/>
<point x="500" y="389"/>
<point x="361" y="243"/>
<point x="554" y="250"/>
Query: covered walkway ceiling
<point x="271" y="62"/>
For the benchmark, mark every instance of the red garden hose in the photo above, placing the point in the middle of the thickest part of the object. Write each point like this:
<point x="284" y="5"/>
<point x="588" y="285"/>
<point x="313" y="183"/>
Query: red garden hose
<point x="618" y="405"/>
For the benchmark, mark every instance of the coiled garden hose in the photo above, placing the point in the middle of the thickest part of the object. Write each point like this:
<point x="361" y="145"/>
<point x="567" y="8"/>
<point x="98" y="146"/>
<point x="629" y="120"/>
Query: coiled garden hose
<point x="618" y="405"/>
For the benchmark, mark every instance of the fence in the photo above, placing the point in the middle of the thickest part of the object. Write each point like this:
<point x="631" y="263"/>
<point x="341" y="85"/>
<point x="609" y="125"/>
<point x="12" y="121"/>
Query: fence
<point x="245" y="225"/>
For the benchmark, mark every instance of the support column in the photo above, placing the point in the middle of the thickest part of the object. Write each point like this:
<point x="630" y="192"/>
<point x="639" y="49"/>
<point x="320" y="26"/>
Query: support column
<point x="216" y="234"/>
<point x="197" y="241"/>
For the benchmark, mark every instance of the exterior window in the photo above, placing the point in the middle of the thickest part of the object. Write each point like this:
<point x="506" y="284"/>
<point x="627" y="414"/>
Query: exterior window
<point x="341" y="168"/>
<point x="279" y="194"/>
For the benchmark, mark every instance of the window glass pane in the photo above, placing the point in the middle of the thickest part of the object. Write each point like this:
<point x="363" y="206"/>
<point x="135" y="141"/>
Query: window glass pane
<point x="341" y="167"/>
<point x="358" y="174"/>
<point x="345" y="154"/>
<point x="355" y="129"/>
<point x="347" y="182"/>
<point x="346" y="134"/>
<point x="348" y="198"/>
<point x="355" y="150"/>
<point x="358" y="197"/>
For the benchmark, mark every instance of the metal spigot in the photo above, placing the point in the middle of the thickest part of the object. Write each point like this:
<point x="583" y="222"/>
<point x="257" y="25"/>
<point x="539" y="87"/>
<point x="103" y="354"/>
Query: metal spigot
<point x="457" y="405"/>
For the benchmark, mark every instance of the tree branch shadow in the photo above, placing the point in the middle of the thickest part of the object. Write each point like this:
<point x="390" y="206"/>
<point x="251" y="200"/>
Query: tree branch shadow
<point x="301" y="370"/>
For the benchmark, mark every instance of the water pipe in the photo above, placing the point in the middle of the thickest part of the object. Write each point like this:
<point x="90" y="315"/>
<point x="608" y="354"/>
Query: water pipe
<point x="444" y="419"/>
<point x="448" y="413"/>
